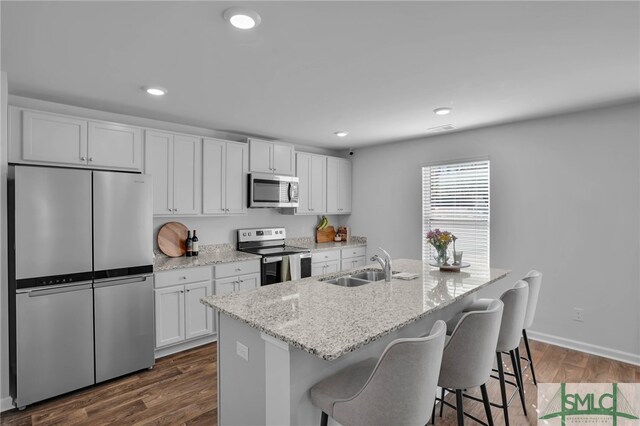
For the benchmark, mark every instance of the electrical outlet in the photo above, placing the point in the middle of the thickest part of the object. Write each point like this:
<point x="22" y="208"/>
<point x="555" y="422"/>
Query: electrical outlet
<point x="242" y="351"/>
<point x="578" y="314"/>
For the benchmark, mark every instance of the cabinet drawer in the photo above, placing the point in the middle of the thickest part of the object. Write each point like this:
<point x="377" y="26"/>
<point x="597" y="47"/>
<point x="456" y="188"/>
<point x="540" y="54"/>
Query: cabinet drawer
<point x="182" y="276"/>
<point x="236" y="268"/>
<point x="348" y="253"/>
<point x="325" y="256"/>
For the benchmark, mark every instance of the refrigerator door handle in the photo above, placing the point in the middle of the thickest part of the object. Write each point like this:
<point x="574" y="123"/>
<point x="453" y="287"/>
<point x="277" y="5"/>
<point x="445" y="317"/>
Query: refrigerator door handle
<point x="108" y="282"/>
<point x="56" y="289"/>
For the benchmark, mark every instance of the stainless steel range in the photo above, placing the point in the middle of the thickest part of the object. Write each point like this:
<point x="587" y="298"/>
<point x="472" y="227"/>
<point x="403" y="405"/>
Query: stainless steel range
<point x="280" y="262"/>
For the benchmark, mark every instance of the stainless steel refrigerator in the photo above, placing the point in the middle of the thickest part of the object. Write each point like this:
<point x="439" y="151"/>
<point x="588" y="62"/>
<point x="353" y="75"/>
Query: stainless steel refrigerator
<point x="81" y="278"/>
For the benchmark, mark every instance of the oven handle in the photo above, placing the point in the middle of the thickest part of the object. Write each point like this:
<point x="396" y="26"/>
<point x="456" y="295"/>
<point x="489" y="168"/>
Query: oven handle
<point x="273" y="259"/>
<point x="289" y="191"/>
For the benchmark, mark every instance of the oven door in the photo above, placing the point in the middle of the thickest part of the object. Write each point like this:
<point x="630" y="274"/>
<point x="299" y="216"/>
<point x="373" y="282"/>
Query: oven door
<point x="271" y="270"/>
<point x="272" y="191"/>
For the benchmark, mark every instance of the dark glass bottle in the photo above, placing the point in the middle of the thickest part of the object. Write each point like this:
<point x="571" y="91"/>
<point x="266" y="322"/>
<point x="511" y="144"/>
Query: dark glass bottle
<point x="189" y="244"/>
<point x="194" y="244"/>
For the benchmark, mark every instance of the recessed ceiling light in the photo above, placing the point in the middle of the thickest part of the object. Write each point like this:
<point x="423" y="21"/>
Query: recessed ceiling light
<point x="442" y="111"/>
<point x="243" y="19"/>
<point x="341" y="134"/>
<point x="155" y="90"/>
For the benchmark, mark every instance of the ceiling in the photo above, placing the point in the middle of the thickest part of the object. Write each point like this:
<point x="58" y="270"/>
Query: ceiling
<point x="374" y="69"/>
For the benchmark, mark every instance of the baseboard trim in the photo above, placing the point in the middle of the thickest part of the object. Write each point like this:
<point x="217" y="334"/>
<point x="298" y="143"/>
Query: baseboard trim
<point x="6" y="404"/>
<point x="614" y="354"/>
<point x="170" y="350"/>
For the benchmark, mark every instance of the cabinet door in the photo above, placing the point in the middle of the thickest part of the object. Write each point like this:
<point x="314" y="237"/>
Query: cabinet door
<point x="318" y="184"/>
<point x="344" y="188"/>
<point x="114" y="146"/>
<point x="303" y="172"/>
<point x="237" y="166"/>
<point x="332" y="266"/>
<point x="226" y="285"/>
<point x="317" y="269"/>
<point x="333" y="184"/>
<point x="213" y="176"/>
<point x="260" y="156"/>
<point x="54" y="138"/>
<point x="354" y="262"/>
<point x="198" y="317"/>
<point x="186" y="174"/>
<point x="247" y="282"/>
<point x="283" y="159"/>
<point x="169" y="316"/>
<point x="158" y="162"/>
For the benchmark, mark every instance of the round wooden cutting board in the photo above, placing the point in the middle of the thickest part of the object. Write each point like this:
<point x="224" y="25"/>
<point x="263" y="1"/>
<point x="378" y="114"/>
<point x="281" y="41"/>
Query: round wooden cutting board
<point x="172" y="239"/>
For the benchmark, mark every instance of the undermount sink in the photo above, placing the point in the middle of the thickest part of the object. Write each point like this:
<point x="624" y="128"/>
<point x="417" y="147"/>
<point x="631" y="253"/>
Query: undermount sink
<point x="347" y="282"/>
<point x="369" y="275"/>
<point x="356" y="280"/>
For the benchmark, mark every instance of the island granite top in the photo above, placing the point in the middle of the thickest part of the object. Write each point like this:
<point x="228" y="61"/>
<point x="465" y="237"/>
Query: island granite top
<point x="329" y="321"/>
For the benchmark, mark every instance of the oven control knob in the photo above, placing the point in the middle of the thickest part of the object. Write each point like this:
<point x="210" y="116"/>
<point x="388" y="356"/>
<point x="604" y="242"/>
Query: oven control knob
<point x="249" y="233"/>
<point x="244" y="234"/>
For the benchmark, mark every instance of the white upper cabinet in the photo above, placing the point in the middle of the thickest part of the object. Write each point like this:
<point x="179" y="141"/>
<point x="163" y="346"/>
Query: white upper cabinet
<point x="53" y="138"/>
<point x="224" y="177"/>
<point x="186" y="174"/>
<point x="174" y="161"/>
<point x="74" y="141"/>
<point x="311" y="170"/>
<point x="271" y="157"/>
<point x="114" y="146"/>
<point x="338" y="186"/>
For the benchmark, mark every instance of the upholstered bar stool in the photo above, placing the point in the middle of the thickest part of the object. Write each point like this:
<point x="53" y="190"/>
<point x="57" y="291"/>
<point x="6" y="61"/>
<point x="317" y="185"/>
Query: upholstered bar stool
<point x="468" y="357"/>
<point x="397" y="389"/>
<point x="515" y="307"/>
<point x="534" y="279"/>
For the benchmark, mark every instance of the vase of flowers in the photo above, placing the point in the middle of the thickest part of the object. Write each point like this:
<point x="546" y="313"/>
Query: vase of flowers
<point x="440" y="241"/>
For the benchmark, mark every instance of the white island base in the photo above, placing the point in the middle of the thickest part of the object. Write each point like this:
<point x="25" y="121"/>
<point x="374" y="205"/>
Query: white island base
<point x="272" y="386"/>
<point x="277" y="341"/>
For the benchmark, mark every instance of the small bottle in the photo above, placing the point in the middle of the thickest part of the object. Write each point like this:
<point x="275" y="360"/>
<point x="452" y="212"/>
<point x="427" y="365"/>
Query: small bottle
<point x="194" y="244"/>
<point x="189" y="244"/>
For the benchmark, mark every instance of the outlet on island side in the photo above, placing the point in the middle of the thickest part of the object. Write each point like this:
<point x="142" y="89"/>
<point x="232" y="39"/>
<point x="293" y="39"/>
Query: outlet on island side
<point x="578" y="314"/>
<point x="242" y="351"/>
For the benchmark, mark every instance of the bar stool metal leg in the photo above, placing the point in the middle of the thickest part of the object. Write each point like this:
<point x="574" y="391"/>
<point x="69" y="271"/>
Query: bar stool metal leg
<point x="459" y="407"/>
<point x="518" y="374"/>
<point x="526" y="346"/>
<point x="324" y="419"/>
<point x="503" y="390"/>
<point x="487" y="405"/>
<point x="441" y="402"/>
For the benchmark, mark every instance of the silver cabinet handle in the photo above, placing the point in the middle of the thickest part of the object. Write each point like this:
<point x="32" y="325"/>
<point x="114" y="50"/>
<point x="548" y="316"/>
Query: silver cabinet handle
<point x="241" y="281"/>
<point x="181" y="291"/>
<point x="238" y="269"/>
<point x="83" y="158"/>
<point x="188" y="290"/>
<point x="170" y="210"/>
<point x="175" y="210"/>
<point x="183" y="278"/>
<point x="90" y="158"/>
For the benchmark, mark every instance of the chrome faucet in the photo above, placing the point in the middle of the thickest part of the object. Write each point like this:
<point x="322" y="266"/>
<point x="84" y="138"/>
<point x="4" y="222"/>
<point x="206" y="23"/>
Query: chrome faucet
<point x="386" y="264"/>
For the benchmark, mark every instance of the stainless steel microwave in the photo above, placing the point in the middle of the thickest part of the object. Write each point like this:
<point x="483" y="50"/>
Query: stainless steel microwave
<point x="272" y="191"/>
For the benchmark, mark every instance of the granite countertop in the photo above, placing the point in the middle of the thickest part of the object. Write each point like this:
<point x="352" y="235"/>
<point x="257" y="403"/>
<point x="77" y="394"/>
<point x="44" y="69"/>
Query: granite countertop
<point x="208" y="255"/>
<point x="310" y="243"/>
<point x="329" y="321"/>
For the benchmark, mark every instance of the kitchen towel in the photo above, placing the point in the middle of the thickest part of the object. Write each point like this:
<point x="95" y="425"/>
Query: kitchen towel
<point x="285" y="271"/>
<point x="294" y="266"/>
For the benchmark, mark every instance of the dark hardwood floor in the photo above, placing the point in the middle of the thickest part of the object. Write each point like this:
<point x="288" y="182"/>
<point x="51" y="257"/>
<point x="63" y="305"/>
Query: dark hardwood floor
<point x="181" y="390"/>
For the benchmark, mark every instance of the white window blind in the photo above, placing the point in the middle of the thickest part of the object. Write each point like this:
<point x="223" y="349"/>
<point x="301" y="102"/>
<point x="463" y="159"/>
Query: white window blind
<point x="455" y="198"/>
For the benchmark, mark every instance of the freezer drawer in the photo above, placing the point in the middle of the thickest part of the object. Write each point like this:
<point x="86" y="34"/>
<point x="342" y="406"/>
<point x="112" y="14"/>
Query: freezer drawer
<point x="54" y="342"/>
<point x="123" y="326"/>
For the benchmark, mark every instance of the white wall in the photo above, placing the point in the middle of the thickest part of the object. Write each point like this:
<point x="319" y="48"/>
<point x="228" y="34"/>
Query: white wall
<point x="564" y="199"/>
<point x="5" y="399"/>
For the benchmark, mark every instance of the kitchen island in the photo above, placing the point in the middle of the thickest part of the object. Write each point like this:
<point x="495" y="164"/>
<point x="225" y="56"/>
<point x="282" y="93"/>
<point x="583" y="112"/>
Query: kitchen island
<point x="276" y="341"/>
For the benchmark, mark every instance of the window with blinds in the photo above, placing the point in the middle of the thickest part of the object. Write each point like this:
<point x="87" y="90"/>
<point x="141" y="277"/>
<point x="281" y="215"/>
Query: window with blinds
<point x="455" y="198"/>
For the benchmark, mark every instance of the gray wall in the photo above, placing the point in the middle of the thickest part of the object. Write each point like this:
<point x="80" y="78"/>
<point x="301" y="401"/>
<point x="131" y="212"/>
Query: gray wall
<point x="565" y="194"/>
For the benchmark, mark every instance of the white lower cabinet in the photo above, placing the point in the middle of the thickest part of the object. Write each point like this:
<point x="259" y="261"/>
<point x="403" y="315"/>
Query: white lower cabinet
<point x="179" y="314"/>
<point x="237" y="283"/>
<point x="353" y="257"/>
<point x="325" y="262"/>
